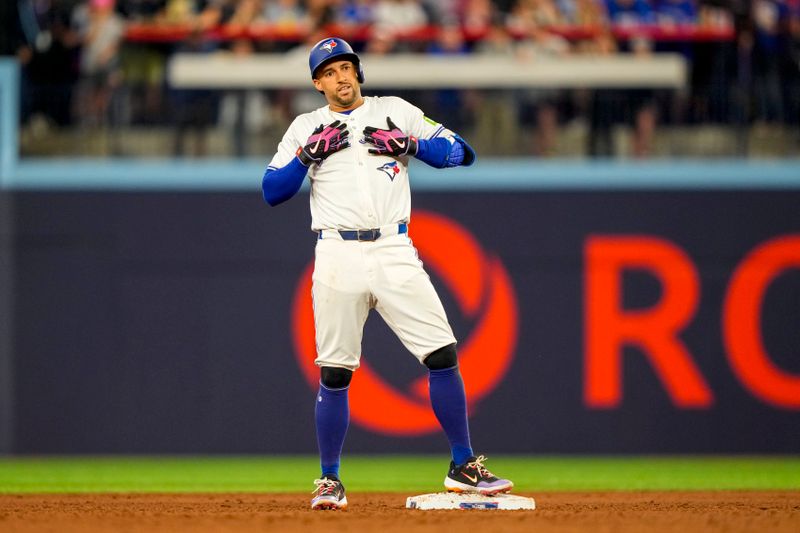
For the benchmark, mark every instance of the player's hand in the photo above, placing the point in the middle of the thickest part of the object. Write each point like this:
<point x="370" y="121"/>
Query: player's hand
<point x="325" y="140"/>
<point x="390" y="142"/>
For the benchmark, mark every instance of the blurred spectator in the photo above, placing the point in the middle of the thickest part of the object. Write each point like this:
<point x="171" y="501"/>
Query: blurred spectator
<point x="793" y="64"/>
<point x="497" y="42"/>
<point x="533" y="20"/>
<point x="236" y="16"/>
<point x="717" y="69"/>
<point x="143" y="66"/>
<point x="398" y="17"/>
<point x="547" y="13"/>
<point x="179" y="12"/>
<point x="16" y="41"/>
<point x="287" y="18"/>
<point x="591" y="16"/>
<point x="454" y="104"/>
<point x="567" y="10"/>
<point x="442" y="12"/>
<point x="141" y="10"/>
<point x="320" y="13"/>
<point x="770" y="45"/>
<point x="630" y="12"/>
<point x="588" y="14"/>
<point x="717" y="14"/>
<point x="50" y="61"/>
<point x="476" y="18"/>
<point x="12" y="38"/>
<point x="529" y="15"/>
<point x="353" y="14"/>
<point x="287" y="15"/>
<point x="503" y="6"/>
<point x="638" y="106"/>
<point x="193" y="110"/>
<point x="101" y="31"/>
<point x="449" y="40"/>
<point x="672" y="15"/>
<point x="605" y="106"/>
<point x="633" y="16"/>
<point x="380" y="44"/>
<point x="584" y="18"/>
<point x="242" y="110"/>
<point x="497" y="130"/>
<point x="236" y="13"/>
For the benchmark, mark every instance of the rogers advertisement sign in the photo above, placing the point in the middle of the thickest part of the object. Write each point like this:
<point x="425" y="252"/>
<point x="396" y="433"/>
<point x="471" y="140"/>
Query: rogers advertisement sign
<point x="588" y="322"/>
<point x="656" y="330"/>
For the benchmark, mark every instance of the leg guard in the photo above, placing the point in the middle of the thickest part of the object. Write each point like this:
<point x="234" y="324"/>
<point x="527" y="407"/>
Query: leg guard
<point x="334" y="377"/>
<point x="444" y="357"/>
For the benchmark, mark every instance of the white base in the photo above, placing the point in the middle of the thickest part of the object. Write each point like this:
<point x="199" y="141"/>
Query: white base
<point x="469" y="500"/>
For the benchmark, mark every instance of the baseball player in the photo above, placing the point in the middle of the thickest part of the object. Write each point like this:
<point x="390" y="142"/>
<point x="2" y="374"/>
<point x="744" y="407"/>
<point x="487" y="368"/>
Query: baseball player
<point x="355" y="151"/>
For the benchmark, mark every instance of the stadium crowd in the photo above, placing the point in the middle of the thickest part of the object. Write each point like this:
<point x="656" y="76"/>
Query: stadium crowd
<point x="95" y="63"/>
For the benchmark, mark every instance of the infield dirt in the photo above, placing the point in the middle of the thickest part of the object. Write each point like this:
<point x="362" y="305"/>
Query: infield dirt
<point x="682" y="512"/>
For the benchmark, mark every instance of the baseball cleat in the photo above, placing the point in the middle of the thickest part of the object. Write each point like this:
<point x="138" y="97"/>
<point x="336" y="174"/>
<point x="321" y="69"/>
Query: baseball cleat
<point x="472" y="476"/>
<point x="328" y="494"/>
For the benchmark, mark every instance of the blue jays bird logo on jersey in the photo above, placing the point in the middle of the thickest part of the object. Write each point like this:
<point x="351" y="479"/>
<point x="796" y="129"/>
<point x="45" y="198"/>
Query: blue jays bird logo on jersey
<point x="328" y="46"/>
<point x="390" y="169"/>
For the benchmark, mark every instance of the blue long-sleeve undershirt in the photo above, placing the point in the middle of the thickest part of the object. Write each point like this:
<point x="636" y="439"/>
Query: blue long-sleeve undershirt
<point x="280" y="184"/>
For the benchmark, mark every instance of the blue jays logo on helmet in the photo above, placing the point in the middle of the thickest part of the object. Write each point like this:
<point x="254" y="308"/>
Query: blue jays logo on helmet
<point x="328" y="46"/>
<point x="390" y="169"/>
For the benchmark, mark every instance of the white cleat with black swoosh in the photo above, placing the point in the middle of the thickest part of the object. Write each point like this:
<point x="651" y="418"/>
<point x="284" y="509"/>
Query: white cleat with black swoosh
<point x="472" y="476"/>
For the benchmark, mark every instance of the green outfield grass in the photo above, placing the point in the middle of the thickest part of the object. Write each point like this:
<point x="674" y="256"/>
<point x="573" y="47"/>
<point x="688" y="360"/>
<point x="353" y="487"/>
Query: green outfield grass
<point x="391" y="473"/>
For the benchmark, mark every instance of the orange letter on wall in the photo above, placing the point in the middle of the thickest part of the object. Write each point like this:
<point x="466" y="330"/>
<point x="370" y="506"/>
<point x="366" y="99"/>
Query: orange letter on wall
<point x="741" y="322"/>
<point x="654" y="331"/>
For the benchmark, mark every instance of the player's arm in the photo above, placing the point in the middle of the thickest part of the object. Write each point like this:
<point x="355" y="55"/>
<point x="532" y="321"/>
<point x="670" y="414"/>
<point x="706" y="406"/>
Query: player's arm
<point x="280" y="184"/>
<point x="438" y="152"/>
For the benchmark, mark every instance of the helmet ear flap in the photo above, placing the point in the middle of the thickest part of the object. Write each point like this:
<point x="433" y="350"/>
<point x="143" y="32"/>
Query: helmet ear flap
<point x="360" y="72"/>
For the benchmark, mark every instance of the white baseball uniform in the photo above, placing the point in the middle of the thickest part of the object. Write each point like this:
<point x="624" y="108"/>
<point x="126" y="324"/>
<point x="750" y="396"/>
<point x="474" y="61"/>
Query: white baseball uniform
<point x="355" y="190"/>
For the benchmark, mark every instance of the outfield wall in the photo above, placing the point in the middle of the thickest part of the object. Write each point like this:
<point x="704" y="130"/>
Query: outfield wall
<point x="600" y="307"/>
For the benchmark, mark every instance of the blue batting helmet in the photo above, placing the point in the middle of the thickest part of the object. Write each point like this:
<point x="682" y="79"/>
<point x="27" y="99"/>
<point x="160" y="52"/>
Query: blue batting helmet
<point x="331" y="48"/>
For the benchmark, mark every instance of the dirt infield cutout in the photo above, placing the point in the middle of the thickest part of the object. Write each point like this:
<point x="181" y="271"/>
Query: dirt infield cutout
<point x="679" y="512"/>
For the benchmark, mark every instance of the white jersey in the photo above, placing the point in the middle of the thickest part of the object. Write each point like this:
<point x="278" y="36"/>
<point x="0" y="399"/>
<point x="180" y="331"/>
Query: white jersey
<point x="353" y="189"/>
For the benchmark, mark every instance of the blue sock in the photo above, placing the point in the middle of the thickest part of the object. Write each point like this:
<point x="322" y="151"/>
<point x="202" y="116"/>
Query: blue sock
<point x="449" y="404"/>
<point x="332" y="415"/>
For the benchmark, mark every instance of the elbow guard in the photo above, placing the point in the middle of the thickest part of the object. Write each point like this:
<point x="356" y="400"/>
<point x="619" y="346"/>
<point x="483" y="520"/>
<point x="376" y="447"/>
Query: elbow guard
<point x="469" y="153"/>
<point x="443" y="152"/>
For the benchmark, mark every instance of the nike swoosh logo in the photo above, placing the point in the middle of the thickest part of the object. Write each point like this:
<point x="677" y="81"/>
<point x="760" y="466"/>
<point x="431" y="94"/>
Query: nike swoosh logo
<point x="473" y="479"/>
<point x="401" y="145"/>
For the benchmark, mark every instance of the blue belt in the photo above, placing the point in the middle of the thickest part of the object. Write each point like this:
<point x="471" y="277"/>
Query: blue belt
<point x="366" y="234"/>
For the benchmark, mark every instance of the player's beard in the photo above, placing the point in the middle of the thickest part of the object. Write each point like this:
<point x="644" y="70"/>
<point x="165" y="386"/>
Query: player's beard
<point x="347" y="99"/>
